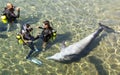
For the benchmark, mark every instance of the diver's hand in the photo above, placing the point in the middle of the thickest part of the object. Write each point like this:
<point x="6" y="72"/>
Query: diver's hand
<point x="18" y="9"/>
<point x="26" y="41"/>
<point x="40" y="27"/>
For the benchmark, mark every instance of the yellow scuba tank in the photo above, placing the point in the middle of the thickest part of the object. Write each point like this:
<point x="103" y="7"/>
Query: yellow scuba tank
<point x="19" y="38"/>
<point x="53" y="37"/>
<point x="4" y="19"/>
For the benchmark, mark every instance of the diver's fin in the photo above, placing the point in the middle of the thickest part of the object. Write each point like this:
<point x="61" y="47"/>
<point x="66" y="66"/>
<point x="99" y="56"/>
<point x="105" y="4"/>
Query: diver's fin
<point x="35" y="54"/>
<point x="63" y="45"/>
<point x="107" y="29"/>
<point x="35" y="60"/>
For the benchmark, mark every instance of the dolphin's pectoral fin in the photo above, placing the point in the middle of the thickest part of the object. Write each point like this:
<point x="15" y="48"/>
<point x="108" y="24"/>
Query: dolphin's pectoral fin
<point x="69" y="57"/>
<point x="63" y="45"/>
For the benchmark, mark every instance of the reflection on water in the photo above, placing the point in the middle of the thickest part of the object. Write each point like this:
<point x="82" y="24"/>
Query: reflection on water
<point x="73" y="20"/>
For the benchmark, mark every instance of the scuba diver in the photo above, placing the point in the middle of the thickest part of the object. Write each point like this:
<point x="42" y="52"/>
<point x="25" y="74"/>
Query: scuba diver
<point x="9" y="15"/>
<point x="27" y="39"/>
<point x="47" y="34"/>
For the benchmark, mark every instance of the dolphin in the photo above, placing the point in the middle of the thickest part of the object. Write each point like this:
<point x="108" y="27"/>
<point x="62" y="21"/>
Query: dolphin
<point x="67" y="53"/>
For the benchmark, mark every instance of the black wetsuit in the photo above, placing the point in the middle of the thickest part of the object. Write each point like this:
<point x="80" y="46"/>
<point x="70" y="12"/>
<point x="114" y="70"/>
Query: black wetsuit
<point x="11" y="17"/>
<point x="46" y="34"/>
<point x="28" y="37"/>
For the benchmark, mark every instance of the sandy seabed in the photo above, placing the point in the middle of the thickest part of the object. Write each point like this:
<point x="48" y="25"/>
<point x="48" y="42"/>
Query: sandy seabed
<point x="73" y="20"/>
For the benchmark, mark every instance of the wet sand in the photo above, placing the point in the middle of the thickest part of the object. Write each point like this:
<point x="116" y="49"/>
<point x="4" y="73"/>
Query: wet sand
<point x="73" y="20"/>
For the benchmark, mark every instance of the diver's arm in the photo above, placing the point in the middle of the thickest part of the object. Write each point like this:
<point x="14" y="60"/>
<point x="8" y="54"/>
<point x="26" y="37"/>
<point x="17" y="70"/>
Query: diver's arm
<point x="18" y="13"/>
<point x="41" y="27"/>
<point x="26" y="41"/>
<point x="13" y="14"/>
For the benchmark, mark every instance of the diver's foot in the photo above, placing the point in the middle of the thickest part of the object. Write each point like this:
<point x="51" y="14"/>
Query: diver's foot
<point x="36" y="54"/>
<point x="27" y="57"/>
<point x="36" y="50"/>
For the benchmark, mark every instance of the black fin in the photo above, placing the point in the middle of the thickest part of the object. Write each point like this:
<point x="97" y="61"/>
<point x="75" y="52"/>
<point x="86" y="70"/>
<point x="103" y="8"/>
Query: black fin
<point x="106" y="28"/>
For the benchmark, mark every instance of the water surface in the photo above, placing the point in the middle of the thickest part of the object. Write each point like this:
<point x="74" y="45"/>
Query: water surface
<point x="73" y="20"/>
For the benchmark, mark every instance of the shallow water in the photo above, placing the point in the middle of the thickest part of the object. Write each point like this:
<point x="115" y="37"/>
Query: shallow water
<point x="73" y="20"/>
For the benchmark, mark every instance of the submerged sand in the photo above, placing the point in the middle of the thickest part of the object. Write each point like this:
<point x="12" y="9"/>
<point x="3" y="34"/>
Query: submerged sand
<point x="73" y="20"/>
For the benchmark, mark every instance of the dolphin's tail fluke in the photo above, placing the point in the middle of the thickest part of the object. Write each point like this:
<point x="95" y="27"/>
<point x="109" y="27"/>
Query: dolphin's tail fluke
<point x="107" y="29"/>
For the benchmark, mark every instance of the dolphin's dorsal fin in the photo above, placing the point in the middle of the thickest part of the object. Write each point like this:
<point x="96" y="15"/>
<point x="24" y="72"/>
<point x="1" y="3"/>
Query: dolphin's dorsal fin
<point x="63" y="45"/>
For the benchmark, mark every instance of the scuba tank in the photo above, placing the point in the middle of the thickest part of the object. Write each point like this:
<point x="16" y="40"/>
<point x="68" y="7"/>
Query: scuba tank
<point x="19" y="38"/>
<point x="4" y="19"/>
<point x="53" y="35"/>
